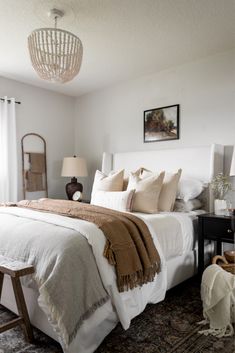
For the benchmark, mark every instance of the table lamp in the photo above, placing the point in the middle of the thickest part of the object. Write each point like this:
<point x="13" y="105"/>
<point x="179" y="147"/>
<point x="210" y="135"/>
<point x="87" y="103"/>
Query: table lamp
<point x="74" y="167"/>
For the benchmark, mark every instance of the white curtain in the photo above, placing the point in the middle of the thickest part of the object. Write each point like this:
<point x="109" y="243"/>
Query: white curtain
<point x="8" y="151"/>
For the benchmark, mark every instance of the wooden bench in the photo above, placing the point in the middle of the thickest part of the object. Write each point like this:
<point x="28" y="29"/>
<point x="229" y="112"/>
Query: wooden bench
<point x="17" y="269"/>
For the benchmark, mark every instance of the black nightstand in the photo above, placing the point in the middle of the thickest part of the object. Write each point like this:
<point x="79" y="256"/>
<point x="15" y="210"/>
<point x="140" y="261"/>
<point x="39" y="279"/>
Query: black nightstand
<point x="213" y="227"/>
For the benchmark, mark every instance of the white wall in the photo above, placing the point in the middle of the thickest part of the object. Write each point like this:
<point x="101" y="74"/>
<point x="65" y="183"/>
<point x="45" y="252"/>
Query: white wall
<point x="112" y="119"/>
<point x="49" y="114"/>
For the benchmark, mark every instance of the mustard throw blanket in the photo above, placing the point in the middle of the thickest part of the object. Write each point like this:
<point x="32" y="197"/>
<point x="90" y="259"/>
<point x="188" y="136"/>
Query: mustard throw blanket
<point x="129" y="245"/>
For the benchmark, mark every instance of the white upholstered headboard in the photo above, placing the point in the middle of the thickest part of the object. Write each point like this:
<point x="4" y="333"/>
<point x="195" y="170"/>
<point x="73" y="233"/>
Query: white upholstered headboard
<point x="202" y="162"/>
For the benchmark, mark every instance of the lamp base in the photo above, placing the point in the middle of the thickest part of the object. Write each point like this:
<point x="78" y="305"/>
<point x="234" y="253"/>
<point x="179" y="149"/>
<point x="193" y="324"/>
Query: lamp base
<point x="72" y="187"/>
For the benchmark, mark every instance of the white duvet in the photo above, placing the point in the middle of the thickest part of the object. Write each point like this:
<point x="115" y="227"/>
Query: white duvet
<point x="174" y="230"/>
<point x="172" y="235"/>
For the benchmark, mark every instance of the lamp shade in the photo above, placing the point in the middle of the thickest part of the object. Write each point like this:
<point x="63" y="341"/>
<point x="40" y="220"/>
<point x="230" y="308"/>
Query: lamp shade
<point x="232" y="168"/>
<point x="74" y="167"/>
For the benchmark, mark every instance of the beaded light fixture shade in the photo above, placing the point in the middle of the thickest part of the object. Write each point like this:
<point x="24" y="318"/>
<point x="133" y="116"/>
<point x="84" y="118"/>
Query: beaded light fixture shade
<point x="56" y="55"/>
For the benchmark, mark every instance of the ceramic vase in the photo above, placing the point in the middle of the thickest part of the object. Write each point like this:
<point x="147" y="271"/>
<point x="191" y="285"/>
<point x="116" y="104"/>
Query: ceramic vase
<point x="220" y="207"/>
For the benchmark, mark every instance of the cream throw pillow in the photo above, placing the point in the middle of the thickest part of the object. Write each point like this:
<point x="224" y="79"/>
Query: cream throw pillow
<point x="111" y="182"/>
<point x="169" y="190"/>
<point x="117" y="200"/>
<point x="147" y="192"/>
<point x="126" y="179"/>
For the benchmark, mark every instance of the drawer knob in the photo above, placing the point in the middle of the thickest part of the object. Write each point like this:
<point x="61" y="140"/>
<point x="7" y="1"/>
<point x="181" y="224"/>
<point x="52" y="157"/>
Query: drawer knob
<point x="229" y="231"/>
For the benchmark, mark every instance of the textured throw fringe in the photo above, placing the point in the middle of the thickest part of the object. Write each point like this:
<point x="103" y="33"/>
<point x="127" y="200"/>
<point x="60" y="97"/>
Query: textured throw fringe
<point x="137" y="279"/>
<point x="86" y="315"/>
<point x="203" y="322"/>
<point x="126" y="282"/>
<point x="218" y="332"/>
<point x="54" y="317"/>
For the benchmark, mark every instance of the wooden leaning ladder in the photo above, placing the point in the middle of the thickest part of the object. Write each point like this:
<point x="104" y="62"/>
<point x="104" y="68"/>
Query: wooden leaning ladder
<point x="17" y="269"/>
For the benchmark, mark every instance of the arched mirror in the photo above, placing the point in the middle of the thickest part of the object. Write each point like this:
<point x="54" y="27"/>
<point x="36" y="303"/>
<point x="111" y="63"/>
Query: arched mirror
<point x="34" y="166"/>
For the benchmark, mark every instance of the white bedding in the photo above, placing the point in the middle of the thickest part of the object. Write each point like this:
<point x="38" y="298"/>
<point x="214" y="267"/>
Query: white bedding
<point x="174" y="230"/>
<point x="127" y="304"/>
<point x="173" y="236"/>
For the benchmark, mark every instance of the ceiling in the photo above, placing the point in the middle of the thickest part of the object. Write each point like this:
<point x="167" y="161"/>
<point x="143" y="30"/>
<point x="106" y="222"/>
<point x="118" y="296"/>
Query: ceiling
<point x="122" y="39"/>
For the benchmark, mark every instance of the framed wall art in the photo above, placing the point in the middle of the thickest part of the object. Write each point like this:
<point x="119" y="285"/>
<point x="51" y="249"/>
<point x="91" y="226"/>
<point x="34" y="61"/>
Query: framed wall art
<point x="161" y="124"/>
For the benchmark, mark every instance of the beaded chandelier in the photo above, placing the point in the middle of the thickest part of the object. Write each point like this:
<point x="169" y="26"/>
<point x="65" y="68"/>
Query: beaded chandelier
<point x="56" y="55"/>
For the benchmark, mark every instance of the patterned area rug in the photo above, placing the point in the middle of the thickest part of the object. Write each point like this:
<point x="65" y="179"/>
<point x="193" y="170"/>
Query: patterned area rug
<point x="167" y="327"/>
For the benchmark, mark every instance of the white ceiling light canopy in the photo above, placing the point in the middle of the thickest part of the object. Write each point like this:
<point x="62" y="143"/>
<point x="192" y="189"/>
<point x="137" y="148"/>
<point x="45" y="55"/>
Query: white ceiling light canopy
<point x="56" y="54"/>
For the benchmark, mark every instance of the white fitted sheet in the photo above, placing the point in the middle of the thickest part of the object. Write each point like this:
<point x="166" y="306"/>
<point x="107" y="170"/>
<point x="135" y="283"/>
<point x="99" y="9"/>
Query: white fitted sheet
<point x="176" y="231"/>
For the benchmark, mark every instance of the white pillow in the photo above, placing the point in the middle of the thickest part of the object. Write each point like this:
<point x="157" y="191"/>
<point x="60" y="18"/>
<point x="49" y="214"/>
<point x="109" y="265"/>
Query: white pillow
<point x="187" y="206"/>
<point x="189" y="188"/>
<point x="117" y="200"/>
<point x="147" y="192"/>
<point x="111" y="182"/>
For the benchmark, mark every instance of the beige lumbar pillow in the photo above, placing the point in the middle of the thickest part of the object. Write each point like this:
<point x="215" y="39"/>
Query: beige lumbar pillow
<point x="147" y="192"/>
<point x="169" y="190"/>
<point x="111" y="182"/>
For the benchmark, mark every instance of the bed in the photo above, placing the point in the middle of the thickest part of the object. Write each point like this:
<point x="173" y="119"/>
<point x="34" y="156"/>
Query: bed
<point x="179" y="261"/>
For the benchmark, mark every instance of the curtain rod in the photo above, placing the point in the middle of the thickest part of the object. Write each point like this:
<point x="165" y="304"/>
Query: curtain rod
<point x="9" y="101"/>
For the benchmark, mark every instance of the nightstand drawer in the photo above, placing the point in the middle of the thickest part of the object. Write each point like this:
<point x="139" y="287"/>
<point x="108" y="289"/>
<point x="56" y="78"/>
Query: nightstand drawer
<point x="217" y="228"/>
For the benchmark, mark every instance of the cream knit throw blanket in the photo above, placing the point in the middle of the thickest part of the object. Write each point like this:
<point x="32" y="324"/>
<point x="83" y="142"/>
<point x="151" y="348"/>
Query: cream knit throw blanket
<point x="218" y="297"/>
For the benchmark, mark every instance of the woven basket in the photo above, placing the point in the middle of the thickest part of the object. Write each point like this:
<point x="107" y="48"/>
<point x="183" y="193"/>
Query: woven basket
<point x="229" y="268"/>
<point x="222" y="262"/>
